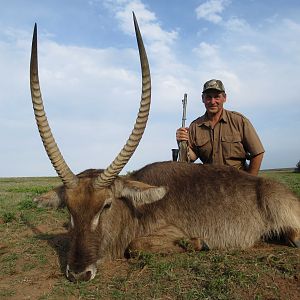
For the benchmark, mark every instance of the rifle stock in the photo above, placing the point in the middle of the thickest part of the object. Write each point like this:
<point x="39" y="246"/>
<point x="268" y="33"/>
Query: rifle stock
<point x="183" y="152"/>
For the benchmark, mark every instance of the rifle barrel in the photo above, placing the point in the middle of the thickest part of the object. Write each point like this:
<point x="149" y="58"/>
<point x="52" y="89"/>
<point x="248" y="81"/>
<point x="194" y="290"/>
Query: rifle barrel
<point x="184" y="103"/>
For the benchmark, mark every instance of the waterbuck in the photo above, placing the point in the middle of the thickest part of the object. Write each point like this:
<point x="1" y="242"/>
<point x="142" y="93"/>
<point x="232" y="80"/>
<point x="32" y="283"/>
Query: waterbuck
<point x="161" y="204"/>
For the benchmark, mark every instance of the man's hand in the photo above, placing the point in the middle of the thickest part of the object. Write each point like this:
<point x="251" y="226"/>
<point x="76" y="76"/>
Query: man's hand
<point x="182" y="134"/>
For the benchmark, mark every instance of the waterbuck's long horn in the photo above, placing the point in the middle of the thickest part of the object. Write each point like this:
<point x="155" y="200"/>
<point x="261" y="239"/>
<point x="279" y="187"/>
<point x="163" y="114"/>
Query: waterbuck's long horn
<point x="58" y="162"/>
<point x="109" y="175"/>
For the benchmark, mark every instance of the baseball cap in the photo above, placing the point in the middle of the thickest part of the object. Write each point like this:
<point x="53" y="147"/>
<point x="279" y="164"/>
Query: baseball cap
<point x="214" y="84"/>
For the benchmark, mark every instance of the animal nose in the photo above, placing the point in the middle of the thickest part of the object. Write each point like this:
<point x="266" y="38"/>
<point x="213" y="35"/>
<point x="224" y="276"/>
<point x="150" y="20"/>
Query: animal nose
<point x="86" y="275"/>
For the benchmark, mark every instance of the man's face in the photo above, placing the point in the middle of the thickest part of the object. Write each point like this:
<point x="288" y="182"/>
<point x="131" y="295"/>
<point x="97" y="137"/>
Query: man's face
<point x="213" y="101"/>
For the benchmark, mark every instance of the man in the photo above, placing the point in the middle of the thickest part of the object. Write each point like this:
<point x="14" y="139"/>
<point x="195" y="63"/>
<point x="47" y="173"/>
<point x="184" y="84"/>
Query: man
<point x="220" y="136"/>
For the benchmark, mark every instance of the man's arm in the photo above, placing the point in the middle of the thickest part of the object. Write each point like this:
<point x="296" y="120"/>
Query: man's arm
<point x="255" y="163"/>
<point x="192" y="155"/>
<point x="253" y="145"/>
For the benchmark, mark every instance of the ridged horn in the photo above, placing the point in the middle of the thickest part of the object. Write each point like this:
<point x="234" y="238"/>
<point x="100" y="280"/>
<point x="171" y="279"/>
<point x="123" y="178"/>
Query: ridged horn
<point x="57" y="160"/>
<point x="108" y="176"/>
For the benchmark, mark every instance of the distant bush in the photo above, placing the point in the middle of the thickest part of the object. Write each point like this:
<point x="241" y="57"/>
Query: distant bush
<point x="298" y="167"/>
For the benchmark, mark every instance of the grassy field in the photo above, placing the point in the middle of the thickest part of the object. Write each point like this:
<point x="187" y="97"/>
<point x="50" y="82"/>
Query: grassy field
<point x="34" y="242"/>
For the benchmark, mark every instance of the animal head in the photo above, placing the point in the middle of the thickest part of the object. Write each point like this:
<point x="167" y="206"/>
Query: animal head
<point x="90" y="199"/>
<point x="103" y="220"/>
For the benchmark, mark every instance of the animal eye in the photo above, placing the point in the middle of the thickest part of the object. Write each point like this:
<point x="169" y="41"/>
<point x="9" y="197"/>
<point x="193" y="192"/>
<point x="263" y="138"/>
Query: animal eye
<point x="107" y="205"/>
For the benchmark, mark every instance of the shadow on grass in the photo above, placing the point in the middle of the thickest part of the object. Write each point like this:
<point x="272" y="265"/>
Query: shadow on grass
<point x="59" y="242"/>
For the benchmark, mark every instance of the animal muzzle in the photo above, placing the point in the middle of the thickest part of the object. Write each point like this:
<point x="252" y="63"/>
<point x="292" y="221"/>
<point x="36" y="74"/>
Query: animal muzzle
<point x="88" y="274"/>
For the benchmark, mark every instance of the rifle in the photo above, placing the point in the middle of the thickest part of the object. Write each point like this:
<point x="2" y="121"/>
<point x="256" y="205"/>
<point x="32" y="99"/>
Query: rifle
<point x="182" y="152"/>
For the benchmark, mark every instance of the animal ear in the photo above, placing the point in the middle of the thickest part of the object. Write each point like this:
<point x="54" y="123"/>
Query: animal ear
<point x="140" y="193"/>
<point x="54" y="198"/>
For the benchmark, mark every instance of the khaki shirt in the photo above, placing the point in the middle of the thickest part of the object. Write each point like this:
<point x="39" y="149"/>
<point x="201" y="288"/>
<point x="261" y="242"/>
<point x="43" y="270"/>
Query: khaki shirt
<point x="230" y="142"/>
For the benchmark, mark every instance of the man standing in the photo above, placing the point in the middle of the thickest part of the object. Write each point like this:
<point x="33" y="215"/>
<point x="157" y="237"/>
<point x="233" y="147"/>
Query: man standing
<point x="220" y="136"/>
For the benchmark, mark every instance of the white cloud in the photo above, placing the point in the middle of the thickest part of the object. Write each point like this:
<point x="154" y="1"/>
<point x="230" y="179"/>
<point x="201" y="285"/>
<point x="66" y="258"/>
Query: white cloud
<point x="237" y="24"/>
<point x="158" y="41"/>
<point x="207" y="52"/>
<point x="148" y="22"/>
<point x="211" y="10"/>
<point x="248" y="49"/>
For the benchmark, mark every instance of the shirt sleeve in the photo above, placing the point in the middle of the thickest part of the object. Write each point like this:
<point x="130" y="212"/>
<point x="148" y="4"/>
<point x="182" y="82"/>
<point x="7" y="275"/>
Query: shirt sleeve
<point x="251" y="141"/>
<point x="192" y="138"/>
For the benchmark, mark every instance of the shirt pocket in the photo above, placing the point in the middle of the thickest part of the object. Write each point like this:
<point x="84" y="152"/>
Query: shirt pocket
<point x="232" y="147"/>
<point x="204" y="148"/>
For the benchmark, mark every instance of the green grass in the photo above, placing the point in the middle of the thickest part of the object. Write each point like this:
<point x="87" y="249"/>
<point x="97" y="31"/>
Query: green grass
<point x="33" y="248"/>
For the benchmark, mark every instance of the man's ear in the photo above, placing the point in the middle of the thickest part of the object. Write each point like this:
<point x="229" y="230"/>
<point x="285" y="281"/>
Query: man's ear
<point x="202" y="97"/>
<point x="138" y="192"/>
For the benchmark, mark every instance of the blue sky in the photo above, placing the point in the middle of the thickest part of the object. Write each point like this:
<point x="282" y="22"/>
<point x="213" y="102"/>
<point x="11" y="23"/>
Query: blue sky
<point x="90" y="76"/>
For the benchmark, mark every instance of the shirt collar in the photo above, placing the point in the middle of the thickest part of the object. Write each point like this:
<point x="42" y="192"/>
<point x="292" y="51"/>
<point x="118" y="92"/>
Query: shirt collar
<point x="203" y="120"/>
<point x="224" y="117"/>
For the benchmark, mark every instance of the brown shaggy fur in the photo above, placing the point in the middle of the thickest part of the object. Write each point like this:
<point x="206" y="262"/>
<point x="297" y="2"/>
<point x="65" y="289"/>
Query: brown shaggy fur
<point x="217" y="206"/>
